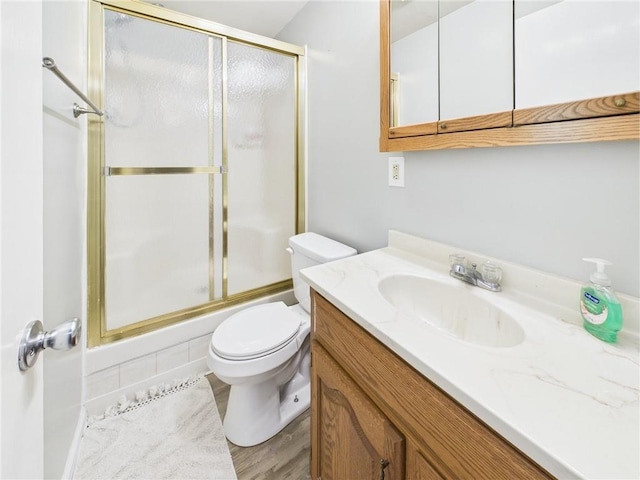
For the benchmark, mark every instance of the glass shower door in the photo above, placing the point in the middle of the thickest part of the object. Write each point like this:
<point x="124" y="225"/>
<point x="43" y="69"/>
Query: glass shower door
<point x="195" y="187"/>
<point x="162" y="187"/>
<point x="261" y="119"/>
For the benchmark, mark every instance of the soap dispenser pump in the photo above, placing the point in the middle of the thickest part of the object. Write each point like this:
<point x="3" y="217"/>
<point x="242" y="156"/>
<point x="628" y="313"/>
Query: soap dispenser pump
<point x="600" y="309"/>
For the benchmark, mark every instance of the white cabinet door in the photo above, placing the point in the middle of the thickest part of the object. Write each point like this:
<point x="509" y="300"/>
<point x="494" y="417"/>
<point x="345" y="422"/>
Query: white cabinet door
<point x="575" y="49"/>
<point x="21" y="233"/>
<point x="476" y="57"/>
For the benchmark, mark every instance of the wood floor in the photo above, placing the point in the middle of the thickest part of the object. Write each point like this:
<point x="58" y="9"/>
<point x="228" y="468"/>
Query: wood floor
<point x="283" y="457"/>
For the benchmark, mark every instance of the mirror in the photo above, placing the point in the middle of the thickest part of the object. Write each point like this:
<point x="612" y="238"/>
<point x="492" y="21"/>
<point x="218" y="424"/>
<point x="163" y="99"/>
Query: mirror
<point x="560" y="44"/>
<point x="414" y="62"/>
<point x="489" y="73"/>
<point x="476" y="57"/>
<point x="445" y="64"/>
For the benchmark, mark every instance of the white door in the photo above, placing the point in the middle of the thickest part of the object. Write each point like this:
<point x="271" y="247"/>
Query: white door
<point x="21" y="234"/>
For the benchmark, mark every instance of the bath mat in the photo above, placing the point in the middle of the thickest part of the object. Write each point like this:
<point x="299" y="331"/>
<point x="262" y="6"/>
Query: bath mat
<point x="177" y="435"/>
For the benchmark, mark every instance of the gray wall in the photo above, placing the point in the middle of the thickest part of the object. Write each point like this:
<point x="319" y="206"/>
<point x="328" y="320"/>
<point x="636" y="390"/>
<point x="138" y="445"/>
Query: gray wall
<point x="541" y="206"/>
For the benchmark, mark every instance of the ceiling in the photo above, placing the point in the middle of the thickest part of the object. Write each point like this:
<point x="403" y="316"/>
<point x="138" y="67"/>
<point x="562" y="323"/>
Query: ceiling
<point x="264" y="17"/>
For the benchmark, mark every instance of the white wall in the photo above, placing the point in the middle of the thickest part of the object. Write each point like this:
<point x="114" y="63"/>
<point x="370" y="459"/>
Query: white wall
<point x="64" y="226"/>
<point x="541" y="206"/>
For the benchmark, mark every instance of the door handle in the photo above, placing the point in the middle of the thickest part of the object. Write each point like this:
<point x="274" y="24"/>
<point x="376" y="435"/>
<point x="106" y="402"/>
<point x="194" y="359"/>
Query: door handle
<point x="35" y="339"/>
<point x="384" y="463"/>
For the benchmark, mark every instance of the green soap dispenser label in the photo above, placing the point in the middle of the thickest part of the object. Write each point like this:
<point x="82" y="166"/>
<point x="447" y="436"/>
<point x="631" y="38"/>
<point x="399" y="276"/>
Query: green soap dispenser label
<point x="588" y="296"/>
<point x="593" y="310"/>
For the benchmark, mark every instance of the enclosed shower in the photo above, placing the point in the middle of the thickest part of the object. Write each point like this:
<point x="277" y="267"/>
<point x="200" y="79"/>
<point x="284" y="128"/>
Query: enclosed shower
<point x="195" y="169"/>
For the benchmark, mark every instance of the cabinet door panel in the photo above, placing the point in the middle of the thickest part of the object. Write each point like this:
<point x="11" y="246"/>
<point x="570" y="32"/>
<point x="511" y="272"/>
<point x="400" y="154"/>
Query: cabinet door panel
<point x="414" y="59"/>
<point x="573" y="50"/>
<point x="352" y="436"/>
<point x="418" y="468"/>
<point x="476" y="58"/>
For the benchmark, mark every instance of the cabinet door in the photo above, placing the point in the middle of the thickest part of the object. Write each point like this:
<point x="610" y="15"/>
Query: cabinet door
<point x="414" y="61"/>
<point x="351" y="438"/>
<point x="418" y="468"/>
<point x="574" y="50"/>
<point x="476" y="59"/>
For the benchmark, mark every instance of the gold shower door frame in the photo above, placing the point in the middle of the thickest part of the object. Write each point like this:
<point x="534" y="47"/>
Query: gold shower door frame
<point x="97" y="171"/>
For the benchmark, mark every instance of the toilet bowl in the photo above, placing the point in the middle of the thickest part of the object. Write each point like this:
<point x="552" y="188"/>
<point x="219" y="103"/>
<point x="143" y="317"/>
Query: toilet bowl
<point x="262" y="352"/>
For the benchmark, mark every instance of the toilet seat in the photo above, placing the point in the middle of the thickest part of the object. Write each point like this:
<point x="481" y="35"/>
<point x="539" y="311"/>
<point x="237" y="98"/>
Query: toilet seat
<point x="256" y="332"/>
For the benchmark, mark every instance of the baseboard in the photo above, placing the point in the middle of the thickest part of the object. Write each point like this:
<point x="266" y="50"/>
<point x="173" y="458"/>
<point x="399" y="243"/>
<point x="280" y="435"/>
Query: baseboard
<point x="72" y="456"/>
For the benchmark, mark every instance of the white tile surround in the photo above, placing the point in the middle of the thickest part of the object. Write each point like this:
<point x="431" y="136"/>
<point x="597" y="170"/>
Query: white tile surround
<point x="563" y="397"/>
<point x="174" y="352"/>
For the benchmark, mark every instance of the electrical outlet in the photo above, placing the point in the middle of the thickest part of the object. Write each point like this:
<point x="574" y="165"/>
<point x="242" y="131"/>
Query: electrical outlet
<point x="396" y="171"/>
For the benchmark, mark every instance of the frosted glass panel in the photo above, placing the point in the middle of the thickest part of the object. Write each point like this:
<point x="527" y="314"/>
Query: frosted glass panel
<point x="164" y="241"/>
<point x="262" y="165"/>
<point x="156" y="93"/>
<point x="157" y="246"/>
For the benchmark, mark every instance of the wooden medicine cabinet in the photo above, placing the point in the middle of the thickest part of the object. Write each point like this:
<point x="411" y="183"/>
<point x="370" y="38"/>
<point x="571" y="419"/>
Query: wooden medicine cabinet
<point x="478" y="73"/>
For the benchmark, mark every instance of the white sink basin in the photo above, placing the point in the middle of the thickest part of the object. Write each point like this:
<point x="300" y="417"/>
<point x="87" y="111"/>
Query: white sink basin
<point x="453" y="308"/>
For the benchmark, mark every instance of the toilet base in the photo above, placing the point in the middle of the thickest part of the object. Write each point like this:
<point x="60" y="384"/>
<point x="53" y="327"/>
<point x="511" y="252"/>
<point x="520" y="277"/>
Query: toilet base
<point x="255" y="413"/>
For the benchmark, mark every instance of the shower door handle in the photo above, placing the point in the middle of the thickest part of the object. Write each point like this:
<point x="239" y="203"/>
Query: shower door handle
<point x="212" y="169"/>
<point x="34" y="339"/>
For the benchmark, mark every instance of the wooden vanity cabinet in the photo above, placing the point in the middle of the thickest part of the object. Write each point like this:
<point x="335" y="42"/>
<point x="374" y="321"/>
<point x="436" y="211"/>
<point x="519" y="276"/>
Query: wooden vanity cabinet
<point x="353" y="438"/>
<point x="368" y="405"/>
<point x="418" y="467"/>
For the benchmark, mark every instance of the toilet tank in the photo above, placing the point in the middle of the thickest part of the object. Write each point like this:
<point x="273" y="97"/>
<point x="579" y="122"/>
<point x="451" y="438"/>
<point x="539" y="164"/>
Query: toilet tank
<point x="309" y="249"/>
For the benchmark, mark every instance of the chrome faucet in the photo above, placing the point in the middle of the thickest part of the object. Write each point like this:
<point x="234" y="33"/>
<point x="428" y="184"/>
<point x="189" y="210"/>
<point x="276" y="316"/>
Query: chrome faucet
<point x="489" y="279"/>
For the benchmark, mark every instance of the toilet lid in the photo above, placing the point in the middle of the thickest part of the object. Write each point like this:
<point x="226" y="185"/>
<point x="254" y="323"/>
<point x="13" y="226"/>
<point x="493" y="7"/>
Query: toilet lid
<point x="255" y="331"/>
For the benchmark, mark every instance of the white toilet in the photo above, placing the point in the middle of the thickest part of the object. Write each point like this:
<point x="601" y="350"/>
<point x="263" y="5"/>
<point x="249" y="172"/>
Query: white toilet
<point x="263" y="352"/>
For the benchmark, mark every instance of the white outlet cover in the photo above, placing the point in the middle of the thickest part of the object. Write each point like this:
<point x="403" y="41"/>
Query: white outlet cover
<point x="396" y="171"/>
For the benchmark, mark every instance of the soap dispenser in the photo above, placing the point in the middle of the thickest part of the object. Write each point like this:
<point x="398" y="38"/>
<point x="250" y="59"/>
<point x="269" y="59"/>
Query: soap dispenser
<point x="601" y="310"/>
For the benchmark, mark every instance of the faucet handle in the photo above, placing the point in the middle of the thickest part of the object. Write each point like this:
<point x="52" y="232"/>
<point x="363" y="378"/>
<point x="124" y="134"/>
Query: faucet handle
<point x="491" y="273"/>
<point x="457" y="259"/>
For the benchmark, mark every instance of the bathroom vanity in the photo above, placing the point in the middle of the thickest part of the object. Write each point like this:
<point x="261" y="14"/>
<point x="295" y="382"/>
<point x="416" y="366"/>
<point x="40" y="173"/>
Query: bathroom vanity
<point x="370" y="408"/>
<point x="394" y="396"/>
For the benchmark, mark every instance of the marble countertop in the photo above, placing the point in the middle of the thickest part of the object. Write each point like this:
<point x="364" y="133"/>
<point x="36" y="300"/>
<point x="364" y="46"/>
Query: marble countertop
<point x="563" y="397"/>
